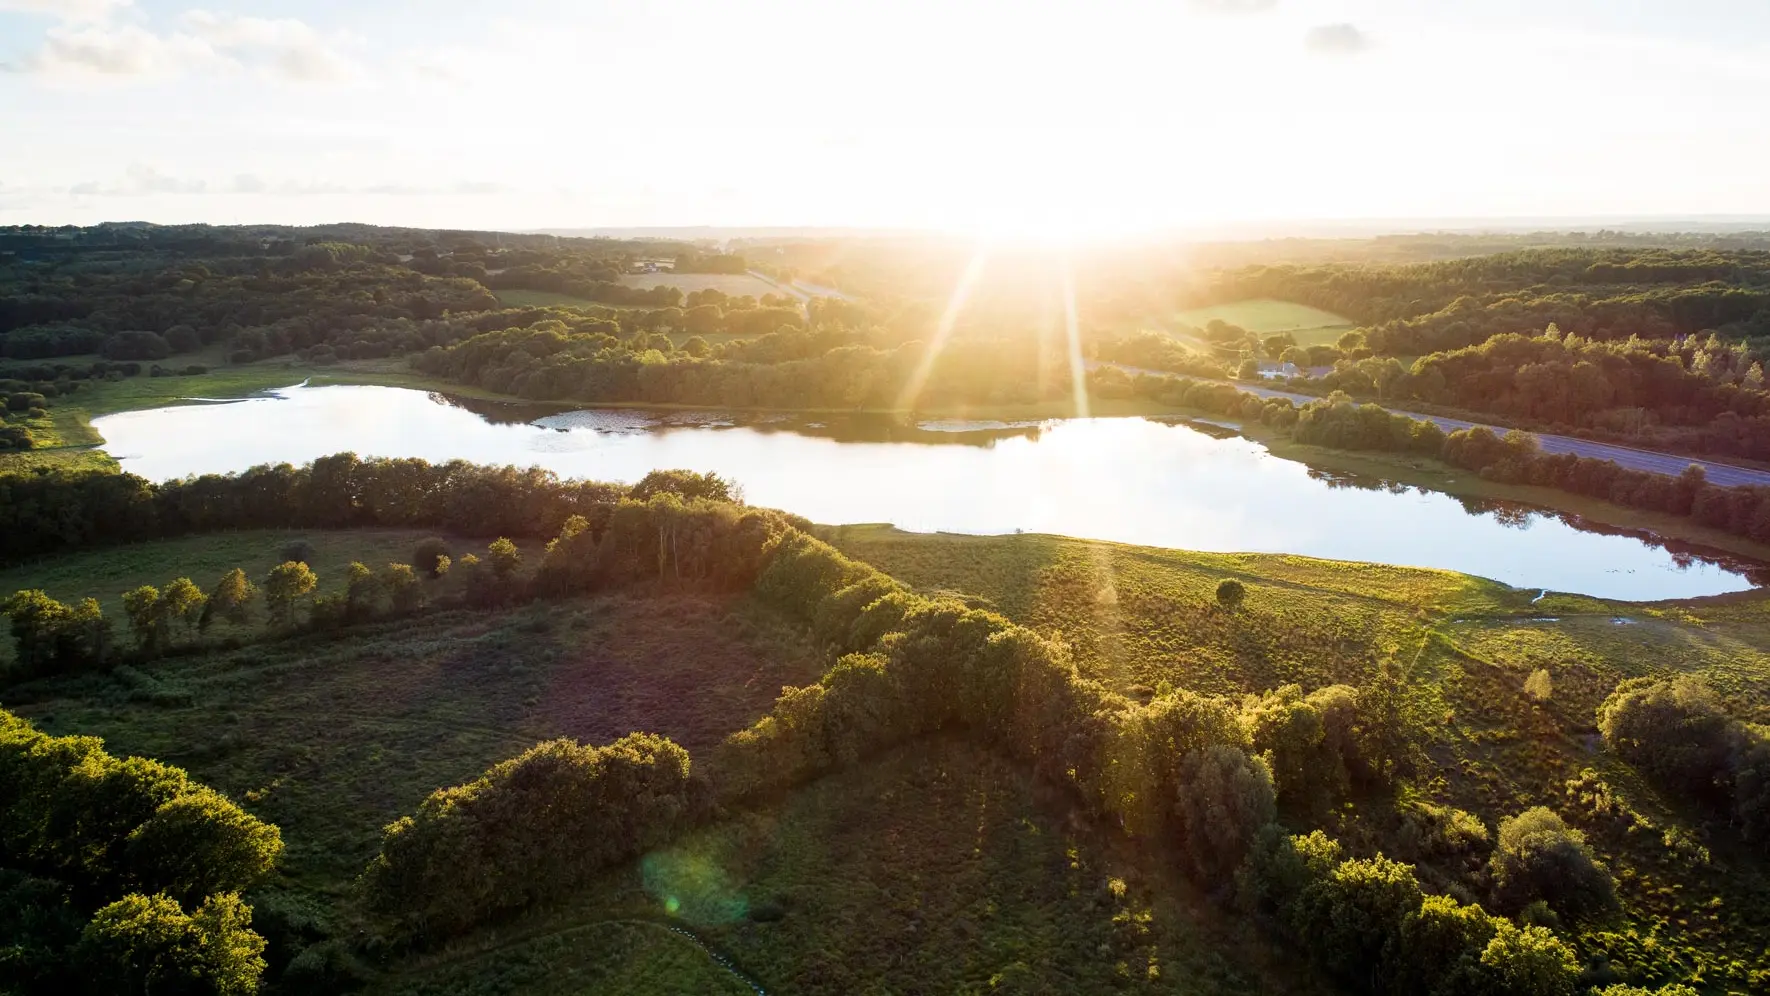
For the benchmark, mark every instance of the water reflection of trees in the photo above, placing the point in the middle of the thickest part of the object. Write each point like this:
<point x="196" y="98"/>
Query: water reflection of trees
<point x="1519" y="515"/>
<point x="846" y="427"/>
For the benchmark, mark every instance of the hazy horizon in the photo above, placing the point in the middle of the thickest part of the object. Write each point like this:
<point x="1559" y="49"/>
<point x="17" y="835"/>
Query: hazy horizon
<point x="972" y="117"/>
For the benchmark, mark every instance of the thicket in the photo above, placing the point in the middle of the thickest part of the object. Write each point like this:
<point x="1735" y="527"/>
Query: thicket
<point x="1679" y="734"/>
<point x="122" y="874"/>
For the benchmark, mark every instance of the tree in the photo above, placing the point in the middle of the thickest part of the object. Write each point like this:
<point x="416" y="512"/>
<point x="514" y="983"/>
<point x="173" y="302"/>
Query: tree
<point x="1249" y="369"/>
<point x="361" y="591"/>
<point x="185" y="602"/>
<point x="1529" y="961"/>
<point x="1540" y="857"/>
<point x="1230" y="593"/>
<point x="147" y="945"/>
<point x="402" y="587"/>
<point x="230" y="599"/>
<point x="51" y="636"/>
<point x="1225" y="798"/>
<point x="1351" y="916"/>
<point x="147" y="617"/>
<point x="286" y="585"/>
<point x="685" y="484"/>
<point x="504" y="558"/>
<point x="1675" y="730"/>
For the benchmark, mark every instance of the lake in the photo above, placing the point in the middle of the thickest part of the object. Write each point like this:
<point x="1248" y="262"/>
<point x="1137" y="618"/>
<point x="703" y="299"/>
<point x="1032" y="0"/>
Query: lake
<point x="1127" y="479"/>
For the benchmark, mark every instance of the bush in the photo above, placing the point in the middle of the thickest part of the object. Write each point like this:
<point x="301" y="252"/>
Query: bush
<point x="531" y="828"/>
<point x="135" y="346"/>
<point x="299" y="551"/>
<point x="147" y="944"/>
<point x="1540" y="857"/>
<point x="1230" y="593"/>
<point x="1675" y="730"/>
<point x="1225" y="798"/>
<point x="427" y="554"/>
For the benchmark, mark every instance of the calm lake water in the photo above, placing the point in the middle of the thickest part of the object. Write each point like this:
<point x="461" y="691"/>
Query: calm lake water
<point x="1126" y="479"/>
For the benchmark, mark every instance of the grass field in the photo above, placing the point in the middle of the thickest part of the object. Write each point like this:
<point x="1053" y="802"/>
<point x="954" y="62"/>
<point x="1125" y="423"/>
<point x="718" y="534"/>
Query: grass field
<point x="545" y="299"/>
<point x="735" y="284"/>
<point x="1143" y="616"/>
<point x="938" y="869"/>
<point x="1310" y="326"/>
<point x="332" y="737"/>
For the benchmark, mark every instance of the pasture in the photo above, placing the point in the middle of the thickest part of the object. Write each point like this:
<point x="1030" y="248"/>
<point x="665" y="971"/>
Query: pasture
<point x="1310" y="326"/>
<point x="734" y="284"/>
<point x="517" y="298"/>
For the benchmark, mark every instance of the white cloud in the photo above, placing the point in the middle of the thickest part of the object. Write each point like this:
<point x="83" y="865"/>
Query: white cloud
<point x="139" y="180"/>
<point x="282" y="46"/>
<point x="143" y="180"/>
<point x="1336" y="39"/>
<point x="1234" y="6"/>
<point x="72" y="51"/>
<point x="91" y="46"/>
<point x="66" y="10"/>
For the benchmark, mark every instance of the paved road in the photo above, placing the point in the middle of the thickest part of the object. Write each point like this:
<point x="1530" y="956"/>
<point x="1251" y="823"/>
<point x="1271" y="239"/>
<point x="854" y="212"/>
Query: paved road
<point x="1724" y="474"/>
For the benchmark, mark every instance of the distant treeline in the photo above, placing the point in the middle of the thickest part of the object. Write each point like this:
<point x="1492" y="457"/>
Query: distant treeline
<point x="788" y="367"/>
<point x="1606" y="294"/>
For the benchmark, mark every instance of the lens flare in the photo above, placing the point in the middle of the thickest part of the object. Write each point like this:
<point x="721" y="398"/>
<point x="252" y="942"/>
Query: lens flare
<point x="955" y="304"/>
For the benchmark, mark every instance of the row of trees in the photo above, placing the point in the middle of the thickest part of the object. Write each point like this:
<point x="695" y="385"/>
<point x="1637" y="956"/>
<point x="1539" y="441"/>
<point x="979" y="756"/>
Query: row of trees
<point x="121" y="874"/>
<point x="54" y="512"/>
<point x="1515" y="458"/>
<point x="1200" y="776"/>
<point x="1699" y="395"/>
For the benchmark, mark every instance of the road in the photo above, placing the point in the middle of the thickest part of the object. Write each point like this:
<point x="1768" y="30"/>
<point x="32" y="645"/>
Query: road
<point x="1724" y="474"/>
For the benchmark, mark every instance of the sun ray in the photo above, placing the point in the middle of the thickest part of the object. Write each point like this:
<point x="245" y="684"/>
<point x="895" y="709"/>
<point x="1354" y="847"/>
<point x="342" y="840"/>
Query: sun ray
<point x="1078" y="378"/>
<point x="954" y="306"/>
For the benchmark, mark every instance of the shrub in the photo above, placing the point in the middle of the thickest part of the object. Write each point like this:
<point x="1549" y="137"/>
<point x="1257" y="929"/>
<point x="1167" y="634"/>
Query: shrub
<point x="530" y="828"/>
<point x="147" y="944"/>
<point x="1675" y="730"/>
<point x="1225" y="798"/>
<point x="299" y="551"/>
<point x="428" y="554"/>
<point x="135" y="345"/>
<point x="1230" y="593"/>
<point x="1540" y="857"/>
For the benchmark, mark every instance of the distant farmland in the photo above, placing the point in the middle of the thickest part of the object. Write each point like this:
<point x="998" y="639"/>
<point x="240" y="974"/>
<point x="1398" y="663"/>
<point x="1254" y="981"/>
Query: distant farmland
<point x="735" y="284"/>
<point x="545" y="299"/>
<point x="1311" y="326"/>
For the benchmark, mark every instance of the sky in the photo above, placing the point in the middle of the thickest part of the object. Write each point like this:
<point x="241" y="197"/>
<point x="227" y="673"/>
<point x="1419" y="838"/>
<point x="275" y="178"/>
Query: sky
<point x="1085" y="117"/>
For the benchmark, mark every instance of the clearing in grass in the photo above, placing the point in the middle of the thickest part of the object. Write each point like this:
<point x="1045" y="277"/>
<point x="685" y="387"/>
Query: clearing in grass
<point x="1310" y="326"/>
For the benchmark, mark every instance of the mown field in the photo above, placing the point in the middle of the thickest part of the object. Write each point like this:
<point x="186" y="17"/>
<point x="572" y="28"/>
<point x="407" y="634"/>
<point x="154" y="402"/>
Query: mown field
<point x="735" y="284"/>
<point x="1310" y="326"/>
